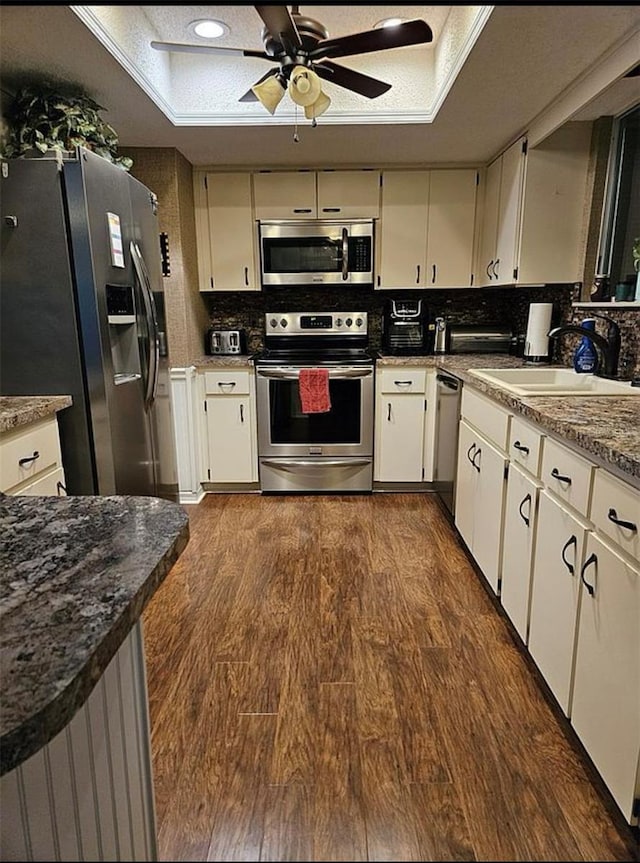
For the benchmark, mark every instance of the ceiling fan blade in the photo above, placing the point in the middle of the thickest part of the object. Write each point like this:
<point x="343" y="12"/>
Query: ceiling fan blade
<point x="278" y="21"/>
<point x="208" y="49"/>
<point x="408" y="33"/>
<point x="250" y="96"/>
<point x="356" y="81"/>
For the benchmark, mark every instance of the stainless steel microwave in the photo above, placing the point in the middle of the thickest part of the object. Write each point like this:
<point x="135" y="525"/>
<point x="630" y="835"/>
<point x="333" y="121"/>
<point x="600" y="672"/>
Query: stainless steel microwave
<point x="323" y="252"/>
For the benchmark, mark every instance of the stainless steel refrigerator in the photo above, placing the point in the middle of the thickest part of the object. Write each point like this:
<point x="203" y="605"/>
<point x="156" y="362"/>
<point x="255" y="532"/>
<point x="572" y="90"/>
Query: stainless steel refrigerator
<point x="82" y="313"/>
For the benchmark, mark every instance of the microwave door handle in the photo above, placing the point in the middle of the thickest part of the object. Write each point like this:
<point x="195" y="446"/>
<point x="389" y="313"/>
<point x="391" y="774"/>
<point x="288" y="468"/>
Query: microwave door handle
<point x="345" y="254"/>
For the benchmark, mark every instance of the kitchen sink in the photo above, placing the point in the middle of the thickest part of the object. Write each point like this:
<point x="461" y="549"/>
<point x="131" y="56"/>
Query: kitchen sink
<point x="554" y="382"/>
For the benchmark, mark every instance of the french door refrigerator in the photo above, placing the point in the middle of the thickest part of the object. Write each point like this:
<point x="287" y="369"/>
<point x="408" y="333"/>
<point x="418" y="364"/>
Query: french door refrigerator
<point x="82" y="313"/>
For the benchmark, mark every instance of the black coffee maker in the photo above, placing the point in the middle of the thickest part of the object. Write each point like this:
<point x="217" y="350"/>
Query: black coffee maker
<point x="407" y="328"/>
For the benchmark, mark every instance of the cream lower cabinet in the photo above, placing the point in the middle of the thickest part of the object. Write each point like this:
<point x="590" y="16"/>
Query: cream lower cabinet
<point x="401" y="407"/>
<point x="31" y="461"/>
<point x="605" y="711"/>
<point x="520" y="524"/>
<point x="229" y="449"/>
<point x="555" y="597"/>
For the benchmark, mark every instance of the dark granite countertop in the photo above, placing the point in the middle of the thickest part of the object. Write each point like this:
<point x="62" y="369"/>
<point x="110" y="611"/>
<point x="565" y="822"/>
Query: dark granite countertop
<point x="606" y="427"/>
<point x="75" y="576"/>
<point x="16" y="411"/>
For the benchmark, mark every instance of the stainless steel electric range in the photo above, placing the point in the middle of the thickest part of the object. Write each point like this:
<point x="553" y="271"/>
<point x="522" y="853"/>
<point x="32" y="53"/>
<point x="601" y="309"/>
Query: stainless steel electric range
<point x="329" y="452"/>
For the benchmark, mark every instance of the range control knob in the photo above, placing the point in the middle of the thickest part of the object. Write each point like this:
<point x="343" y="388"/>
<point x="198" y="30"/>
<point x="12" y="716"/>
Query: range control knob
<point x="338" y="322"/>
<point x="348" y="322"/>
<point x="359" y="322"/>
<point x="283" y="322"/>
<point x="273" y="322"/>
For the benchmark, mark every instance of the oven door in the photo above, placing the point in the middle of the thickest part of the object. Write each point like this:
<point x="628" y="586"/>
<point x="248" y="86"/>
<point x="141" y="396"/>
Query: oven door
<point x="285" y="430"/>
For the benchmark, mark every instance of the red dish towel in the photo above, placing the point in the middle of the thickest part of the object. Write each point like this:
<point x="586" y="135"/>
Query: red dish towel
<point x="313" y="385"/>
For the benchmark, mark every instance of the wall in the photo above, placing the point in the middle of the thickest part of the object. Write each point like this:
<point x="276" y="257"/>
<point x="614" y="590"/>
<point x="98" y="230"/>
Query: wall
<point x="167" y="173"/>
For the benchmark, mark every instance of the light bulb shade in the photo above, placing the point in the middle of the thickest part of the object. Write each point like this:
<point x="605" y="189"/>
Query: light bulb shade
<point x="269" y="93"/>
<point x="304" y="86"/>
<point x="319" y="107"/>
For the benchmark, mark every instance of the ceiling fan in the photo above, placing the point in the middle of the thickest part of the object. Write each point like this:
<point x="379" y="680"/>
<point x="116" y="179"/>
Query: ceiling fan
<point x="302" y="48"/>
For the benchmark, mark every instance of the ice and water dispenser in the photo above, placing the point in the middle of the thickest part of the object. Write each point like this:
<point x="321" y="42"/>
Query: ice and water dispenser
<point x="123" y="333"/>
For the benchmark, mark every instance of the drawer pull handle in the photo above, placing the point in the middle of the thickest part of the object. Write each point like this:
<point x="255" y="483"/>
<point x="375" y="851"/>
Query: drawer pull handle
<point x="473" y="446"/>
<point x="524" y="449"/>
<point x="526" y="518"/>
<point x="574" y="542"/>
<point x="23" y="461"/>
<point x="61" y="488"/>
<point x="612" y="515"/>
<point x="226" y="384"/>
<point x="476" y="455"/>
<point x="593" y="559"/>
<point x="403" y="383"/>
<point x="557" y="475"/>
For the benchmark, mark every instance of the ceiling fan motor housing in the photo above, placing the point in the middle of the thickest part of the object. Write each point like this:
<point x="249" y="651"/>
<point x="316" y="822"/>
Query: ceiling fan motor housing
<point x="310" y="31"/>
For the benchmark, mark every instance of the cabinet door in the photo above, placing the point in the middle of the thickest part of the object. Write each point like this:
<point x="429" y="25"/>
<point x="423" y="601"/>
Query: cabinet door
<point x="229" y="448"/>
<point x="348" y="194"/>
<point x="489" y="236"/>
<point x="490" y="467"/>
<point x="520" y="521"/>
<point x="403" y="229"/>
<point x="452" y="208"/>
<point x="285" y="195"/>
<point x="606" y="697"/>
<point x="466" y="483"/>
<point x="555" y="596"/>
<point x="508" y="236"/>
<point x="400" y="438"/>
<point x="231" y="232"/>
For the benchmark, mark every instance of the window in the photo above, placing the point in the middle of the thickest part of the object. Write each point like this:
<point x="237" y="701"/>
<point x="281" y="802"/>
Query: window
<point x="621" y="217"/>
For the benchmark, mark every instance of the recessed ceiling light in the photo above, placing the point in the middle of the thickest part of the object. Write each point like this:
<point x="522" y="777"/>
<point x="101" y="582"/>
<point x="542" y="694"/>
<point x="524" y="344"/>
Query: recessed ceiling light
<point x="390" y="22"/>
<point x="207" y="28"/>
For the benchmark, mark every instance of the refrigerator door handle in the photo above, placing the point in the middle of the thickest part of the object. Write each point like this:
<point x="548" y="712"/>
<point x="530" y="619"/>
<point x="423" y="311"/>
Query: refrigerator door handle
<point x="150" y="308"/>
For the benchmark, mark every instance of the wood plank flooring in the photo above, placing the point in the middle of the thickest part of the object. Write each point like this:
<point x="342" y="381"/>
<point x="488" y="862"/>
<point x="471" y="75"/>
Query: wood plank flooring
<point x="330" y="679"/>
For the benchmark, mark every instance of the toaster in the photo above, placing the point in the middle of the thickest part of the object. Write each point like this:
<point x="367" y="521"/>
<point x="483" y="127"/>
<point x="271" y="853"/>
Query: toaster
<point x="225" y="342"/>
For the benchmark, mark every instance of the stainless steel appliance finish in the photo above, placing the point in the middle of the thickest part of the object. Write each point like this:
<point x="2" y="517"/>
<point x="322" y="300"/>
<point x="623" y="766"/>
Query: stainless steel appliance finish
<point x="448" y="395"/>
<point x="406" y="329"/>
<point x="225" y="342"/>
<point x="323" y="252"/>
<point x="82" y="313"/>
<point x="479" y="339"/>
<point x="328" y="452"/>
<point x="441" y="341"/>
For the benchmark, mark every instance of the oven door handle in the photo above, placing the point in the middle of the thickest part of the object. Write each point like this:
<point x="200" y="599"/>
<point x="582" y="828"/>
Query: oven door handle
<point x="334" y="374"/>
<point x="293" y="463"/>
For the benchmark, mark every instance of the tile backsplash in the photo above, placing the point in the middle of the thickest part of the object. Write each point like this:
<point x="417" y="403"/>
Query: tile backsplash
<point x="508" y="306"/>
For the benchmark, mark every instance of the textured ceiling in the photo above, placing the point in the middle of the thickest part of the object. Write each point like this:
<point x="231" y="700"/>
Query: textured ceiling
<point x="524" y="59"/>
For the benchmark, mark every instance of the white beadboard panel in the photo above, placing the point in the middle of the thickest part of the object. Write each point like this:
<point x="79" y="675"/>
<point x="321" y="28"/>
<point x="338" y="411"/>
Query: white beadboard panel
<point x="184" y="399"/>
<point x="88" y="794"/>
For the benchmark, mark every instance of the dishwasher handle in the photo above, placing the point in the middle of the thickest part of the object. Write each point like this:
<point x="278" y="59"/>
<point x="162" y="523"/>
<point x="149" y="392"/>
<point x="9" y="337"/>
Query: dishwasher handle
<point x="446" y="383"/>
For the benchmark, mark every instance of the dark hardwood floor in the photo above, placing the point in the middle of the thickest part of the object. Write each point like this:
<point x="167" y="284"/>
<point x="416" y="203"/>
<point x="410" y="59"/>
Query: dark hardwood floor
<point x="329" y="679"/>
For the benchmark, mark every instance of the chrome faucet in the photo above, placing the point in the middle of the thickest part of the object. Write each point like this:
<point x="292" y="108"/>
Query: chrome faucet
<point x="609" y="346"/>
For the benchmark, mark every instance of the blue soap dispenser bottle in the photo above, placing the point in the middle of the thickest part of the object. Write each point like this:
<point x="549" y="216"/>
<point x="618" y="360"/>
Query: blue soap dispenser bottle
<point x="585" y="357"/>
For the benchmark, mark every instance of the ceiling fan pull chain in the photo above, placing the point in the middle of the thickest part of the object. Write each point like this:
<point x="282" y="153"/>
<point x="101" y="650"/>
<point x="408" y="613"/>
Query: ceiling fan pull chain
<point x="296" y="139"/>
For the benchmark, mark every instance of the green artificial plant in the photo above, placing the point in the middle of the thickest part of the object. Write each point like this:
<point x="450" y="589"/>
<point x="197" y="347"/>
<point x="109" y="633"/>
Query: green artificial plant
<point x="47" y="116"/>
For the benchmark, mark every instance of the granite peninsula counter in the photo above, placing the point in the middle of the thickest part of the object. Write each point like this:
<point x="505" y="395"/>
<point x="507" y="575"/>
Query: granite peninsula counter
<point x="75" y="576"/>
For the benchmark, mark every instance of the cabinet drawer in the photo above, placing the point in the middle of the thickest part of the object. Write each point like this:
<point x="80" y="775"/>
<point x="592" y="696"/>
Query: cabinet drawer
<point x="613" y="502"/>
<point x="402" y="379"/>
<point x="567" y="475"/>
<point x="227" y="382"/>
<point x="486" y="416"/>
<point x="525" y="445"/>
<point x="51" y="484"/>
<point x="41" y="438"/>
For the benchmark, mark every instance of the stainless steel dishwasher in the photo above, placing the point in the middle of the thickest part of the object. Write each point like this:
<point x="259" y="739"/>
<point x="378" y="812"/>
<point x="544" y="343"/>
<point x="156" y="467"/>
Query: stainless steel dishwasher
<point x="448" y="394"/>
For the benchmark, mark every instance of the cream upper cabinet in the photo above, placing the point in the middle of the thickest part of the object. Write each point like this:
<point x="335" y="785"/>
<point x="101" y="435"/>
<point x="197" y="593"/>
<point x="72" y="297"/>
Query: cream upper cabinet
<point x="534" y="210"/>
<point x="450" y="230"/>
<point x="226" y="233"/>
<point x="501" y="216"/>
<point x="348" y="194"/>
<point x="403" y="229"/>
<point x="285" y="195"/>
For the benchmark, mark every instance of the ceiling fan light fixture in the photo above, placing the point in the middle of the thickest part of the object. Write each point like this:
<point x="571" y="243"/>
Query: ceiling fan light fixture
<point x="304" y="86"/>
<point x="270" y="92"/>
<point x="318" y="107"/>
<point x="208" y="28"/>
